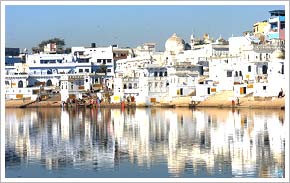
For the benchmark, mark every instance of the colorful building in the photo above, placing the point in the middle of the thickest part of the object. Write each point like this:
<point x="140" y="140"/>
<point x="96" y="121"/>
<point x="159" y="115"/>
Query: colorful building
<point x="277" y="25"/>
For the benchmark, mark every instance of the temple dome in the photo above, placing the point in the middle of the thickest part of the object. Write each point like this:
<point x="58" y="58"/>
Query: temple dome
<point x="175" y="44"/>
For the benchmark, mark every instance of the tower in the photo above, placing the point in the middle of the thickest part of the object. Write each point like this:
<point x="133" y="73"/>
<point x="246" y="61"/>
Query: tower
<point x="192" y="43"/>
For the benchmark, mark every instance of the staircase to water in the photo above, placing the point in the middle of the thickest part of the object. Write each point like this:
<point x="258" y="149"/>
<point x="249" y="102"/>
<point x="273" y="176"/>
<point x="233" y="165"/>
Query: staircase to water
<point x="217" y="99"/>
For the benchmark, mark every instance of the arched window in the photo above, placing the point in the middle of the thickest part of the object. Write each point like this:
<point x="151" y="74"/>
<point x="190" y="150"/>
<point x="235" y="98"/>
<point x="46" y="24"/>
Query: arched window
<point x="20" y="84"/>
<point x="236" y="74"/>
<point x="249" y="68"/>
<point x="160" y="74"/>
<point x="264" y="69"/>
<point x="135" y="85"/>
<point x="49" y="83"/>
<point x="240" y="73"/>
<point x="130" y="86"/>
<point x="49" y="71"/>
<point x="165" y="73"/>
<point x="125" y="86"/>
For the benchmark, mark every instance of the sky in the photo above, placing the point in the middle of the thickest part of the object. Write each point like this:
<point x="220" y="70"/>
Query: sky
<point x="129" y="25"/>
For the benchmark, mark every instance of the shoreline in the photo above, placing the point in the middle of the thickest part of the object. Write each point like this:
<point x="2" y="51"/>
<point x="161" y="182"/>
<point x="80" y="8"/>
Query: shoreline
<point x="270" y="104"/>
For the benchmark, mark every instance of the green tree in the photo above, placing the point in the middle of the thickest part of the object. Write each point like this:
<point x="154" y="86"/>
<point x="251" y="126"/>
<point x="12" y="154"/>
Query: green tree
<point x="59" y="42"/>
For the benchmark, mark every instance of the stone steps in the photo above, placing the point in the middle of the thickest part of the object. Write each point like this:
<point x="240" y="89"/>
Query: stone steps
<point x="222" y="97"/>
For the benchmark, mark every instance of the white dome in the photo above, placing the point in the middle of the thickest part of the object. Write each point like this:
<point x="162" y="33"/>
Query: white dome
<point x="175" y="44"/>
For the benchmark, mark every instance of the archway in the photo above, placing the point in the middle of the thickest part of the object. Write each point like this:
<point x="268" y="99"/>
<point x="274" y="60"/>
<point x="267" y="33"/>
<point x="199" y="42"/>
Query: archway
<point x="20" y="84"/>
<point x="264" y="69"/>
<point x="49" y="83"/>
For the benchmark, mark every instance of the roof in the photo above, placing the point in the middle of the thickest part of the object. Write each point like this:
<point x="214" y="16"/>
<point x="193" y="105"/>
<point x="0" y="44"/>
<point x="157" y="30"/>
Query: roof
<point x="277" y="12"/>
<point x="221" y="49"/>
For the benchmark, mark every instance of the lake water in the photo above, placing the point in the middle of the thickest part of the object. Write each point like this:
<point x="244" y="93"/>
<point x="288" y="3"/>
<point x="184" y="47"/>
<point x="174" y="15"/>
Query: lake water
<point x="144" y="143"/>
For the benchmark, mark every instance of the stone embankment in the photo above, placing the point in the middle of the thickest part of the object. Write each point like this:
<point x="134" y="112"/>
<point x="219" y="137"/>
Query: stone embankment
<point x="224" y="100"/>
<point x="219" y="100"/>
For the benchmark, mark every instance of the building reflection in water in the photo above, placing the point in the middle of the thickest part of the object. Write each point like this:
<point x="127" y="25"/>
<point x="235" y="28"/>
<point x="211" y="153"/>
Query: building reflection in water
<point x="190" y="143"/>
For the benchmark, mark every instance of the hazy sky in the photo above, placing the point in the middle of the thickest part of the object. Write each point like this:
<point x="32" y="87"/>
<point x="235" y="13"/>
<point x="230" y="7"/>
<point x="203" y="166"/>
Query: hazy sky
<point x="127" y="26"/>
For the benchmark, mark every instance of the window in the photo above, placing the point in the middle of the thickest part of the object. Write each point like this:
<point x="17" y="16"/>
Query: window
<point x="236" y="73"/>
<point x="282" y="25"/>
<point x="99" y="60"/>
<point x="155" y="74"/>
<point x="264" y="87"/>
<point x="135" y="85"/>
<point x="108" y="70"/>
<point x="160" y="74"/>
<point x="165" y="73"/>
<point x="229" y="73"/>
<point x="87" y="80"/>
<point x="109" y="61"/>
<point x="130" y="86"/>
<point x="264" y="69"/>
<point x="249" y="68"/>
<point x="87" y="70"/>
<point x="80" y="70"/>
<point x="104" y="61"/>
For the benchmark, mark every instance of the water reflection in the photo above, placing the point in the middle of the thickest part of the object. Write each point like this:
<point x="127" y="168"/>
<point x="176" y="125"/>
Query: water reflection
<point x="146" y="142"/>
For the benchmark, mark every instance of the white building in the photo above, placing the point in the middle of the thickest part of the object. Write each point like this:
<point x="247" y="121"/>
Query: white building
<point x="73" y="86"/>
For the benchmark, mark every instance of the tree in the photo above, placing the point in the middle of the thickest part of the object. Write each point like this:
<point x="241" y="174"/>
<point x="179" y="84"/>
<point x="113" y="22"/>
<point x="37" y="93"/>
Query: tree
<point x="59" y="42"/>
<point x="35" y="50"/>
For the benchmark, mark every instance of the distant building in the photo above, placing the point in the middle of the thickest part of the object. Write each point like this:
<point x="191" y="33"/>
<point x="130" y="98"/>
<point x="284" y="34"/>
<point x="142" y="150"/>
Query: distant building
<point x="50" y="48"/>
<point x="260" y="28"/>
<point x="12" y="52"/>
<point x="277" y="25"/>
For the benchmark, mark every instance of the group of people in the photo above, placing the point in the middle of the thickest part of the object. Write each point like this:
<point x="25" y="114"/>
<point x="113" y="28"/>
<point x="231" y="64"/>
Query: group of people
<point x="237" y="102"/>
<point x="97" y="101"/>
<point x="129" y="98"/>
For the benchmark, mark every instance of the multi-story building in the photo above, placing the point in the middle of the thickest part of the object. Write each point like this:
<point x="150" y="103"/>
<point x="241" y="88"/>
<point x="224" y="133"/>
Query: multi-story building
<point x="260" y="28"/>
<point x="277" y="25"/>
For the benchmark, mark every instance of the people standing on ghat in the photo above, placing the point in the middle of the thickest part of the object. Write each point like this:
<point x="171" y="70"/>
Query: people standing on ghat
<point x="132" y="98"/>
<point x="128" y="99"/>
<point x="281" y="94"/>
<point x="238" y="101"/>
<point x="233" y="103"/>
<point x="98" y="101"/>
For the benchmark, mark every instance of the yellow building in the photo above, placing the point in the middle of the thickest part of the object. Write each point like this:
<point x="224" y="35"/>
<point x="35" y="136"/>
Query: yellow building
<point x="259" y="27"/>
